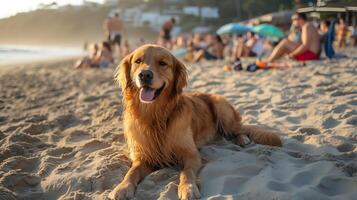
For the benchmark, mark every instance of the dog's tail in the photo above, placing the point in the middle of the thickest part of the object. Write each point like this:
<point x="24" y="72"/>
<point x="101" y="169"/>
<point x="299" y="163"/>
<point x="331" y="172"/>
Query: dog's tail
<point x="260" y="135"/>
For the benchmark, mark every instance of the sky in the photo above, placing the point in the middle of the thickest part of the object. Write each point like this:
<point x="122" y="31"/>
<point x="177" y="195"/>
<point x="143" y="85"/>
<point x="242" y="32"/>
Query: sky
<point x="11" y="7"/>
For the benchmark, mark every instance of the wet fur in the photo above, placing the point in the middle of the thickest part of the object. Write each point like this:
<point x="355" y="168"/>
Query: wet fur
<point x="170" y="130"/>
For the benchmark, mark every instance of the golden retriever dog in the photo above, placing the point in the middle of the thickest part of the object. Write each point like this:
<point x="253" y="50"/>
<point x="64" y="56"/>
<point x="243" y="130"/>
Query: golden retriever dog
<point x="164" y="126"/>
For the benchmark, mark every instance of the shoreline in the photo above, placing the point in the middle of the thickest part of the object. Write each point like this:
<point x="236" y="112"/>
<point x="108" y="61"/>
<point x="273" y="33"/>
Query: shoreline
<point x="24" y="54"/>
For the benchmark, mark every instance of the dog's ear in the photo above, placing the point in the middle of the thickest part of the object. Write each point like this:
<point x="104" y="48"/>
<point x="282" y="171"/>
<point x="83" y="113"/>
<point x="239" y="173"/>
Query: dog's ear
<point x="180" y="76"/>
<point x="122" y="75"/>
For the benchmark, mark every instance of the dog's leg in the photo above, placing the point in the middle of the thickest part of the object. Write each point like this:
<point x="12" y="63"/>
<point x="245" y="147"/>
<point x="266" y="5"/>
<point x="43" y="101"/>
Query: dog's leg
<point x="191" y="164"/>
<point x="126" y="188"/>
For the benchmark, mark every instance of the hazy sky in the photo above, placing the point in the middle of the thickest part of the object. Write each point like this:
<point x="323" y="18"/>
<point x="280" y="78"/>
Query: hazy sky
<point x="11" y="7"/>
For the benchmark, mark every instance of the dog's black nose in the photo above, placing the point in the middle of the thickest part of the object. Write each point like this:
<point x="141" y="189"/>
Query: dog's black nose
<point x="146" y="76"/>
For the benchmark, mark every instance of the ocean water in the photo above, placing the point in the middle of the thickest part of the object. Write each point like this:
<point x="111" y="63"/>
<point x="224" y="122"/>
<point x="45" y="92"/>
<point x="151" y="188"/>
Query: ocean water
<point x="12" y="54"/>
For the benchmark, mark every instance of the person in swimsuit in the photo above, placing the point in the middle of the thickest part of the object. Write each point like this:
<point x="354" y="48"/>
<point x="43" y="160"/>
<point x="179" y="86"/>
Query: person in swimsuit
<point x="104" y="56"/>
<point x="308" y="49"/>
<point x="213" y="51"/>
<point x="115" y="29"/>
<point x="341" y="33"/>
<point x="251" y="48"/>
<point x="165" y="33"/>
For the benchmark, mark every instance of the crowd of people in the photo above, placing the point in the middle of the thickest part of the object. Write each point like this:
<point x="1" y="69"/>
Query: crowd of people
<point x="303" y="43"/>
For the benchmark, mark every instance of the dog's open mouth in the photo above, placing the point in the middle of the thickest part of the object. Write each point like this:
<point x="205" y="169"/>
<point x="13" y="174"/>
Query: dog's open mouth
<point x="148" y="95"/>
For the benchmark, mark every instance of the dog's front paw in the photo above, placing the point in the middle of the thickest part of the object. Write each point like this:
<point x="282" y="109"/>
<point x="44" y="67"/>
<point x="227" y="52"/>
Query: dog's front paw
<point x="122" y="192"/>
<point x="188" y="192"/>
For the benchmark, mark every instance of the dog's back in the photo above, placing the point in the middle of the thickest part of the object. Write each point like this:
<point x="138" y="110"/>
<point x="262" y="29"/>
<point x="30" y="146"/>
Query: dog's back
<point x="213" y="115"/>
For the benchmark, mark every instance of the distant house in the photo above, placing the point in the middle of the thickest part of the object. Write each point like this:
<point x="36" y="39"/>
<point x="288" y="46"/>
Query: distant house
<point x="191" y="10"/>
<point x="209" y="12"/>
<point x="132" y="16"/>
<point x="152" y="18"/>
<point x="203" y="12"/>
<point x="111" y="2"/>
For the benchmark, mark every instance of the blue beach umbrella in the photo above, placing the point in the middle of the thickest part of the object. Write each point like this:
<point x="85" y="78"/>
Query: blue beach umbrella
<point x="233" y="28"/>
<point x="268" y="30"/>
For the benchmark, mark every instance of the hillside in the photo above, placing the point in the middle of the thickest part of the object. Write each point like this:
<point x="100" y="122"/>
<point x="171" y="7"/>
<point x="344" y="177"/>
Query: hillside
<point x="67" y="26"/>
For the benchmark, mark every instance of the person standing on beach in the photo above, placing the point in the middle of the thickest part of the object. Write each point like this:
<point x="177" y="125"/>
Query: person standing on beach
<point x="165" y="33"/>
<point x="308" y="49"/>
<point x="115" y="29"/>
<point x="341" y="33"/>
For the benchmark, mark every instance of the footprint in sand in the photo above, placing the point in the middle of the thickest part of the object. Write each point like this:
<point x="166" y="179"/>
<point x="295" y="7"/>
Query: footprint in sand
<point x="20" y="163"/>
<point x="77" y="136"/>
<point x="19" y="181"/>
<point x="353" y="102"/>
<point x="330" y="122"/>
<point x="9" y="150"/>
<point x="278" y="186"/>
<point x="35" y="129"/>
<point x="52" y="158"/>
<point x="346" y="147"/>
<point x="36" y="118"/>
<point x="66" y="121"/>
<point x="340" y="108"/>
<point x="352" y="121"/>
<point x="93" y="145"/>
<point x="2" y="135"/>
<point x="336" y="185"/>
<point x="279" y="113"/>
<point x="6" y="194"/>
<point x="91" y="98"/>
<point x="309" y="131"/>
<point x="3" y="119"/>
<point x="57" y="151"/>
<point x="293" y="119"/>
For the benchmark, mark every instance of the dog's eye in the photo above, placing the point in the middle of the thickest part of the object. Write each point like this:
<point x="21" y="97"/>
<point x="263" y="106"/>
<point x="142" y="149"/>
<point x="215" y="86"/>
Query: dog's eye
<point x="162" y="63"/>
<point x="138" y="61"/>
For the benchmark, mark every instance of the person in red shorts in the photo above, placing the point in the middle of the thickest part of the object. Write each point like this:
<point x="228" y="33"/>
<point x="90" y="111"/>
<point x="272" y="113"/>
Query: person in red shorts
<point x="308" y="48"/>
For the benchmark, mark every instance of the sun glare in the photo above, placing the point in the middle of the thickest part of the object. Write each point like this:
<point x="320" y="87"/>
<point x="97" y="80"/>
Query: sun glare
<point x="12" y="7"/>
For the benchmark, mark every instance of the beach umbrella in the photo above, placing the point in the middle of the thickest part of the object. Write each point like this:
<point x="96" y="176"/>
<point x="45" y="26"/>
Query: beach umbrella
<point x="268" y="30"/>
<point x="235" y="28"/>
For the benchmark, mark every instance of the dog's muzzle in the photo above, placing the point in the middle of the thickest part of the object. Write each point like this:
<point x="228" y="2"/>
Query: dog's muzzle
<point x="146" y="77"/>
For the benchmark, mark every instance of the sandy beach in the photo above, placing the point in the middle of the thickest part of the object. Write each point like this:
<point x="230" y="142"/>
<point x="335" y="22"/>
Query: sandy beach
<point x="61" y="134"/>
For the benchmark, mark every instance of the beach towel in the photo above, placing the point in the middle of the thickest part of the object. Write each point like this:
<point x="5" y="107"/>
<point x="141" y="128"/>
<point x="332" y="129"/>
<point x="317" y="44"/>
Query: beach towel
<point x="328" y="43"/>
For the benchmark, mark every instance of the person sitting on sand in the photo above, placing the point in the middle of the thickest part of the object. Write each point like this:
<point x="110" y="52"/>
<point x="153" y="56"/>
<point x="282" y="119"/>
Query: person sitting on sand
<point x="308" y="49"/>
<point x="86" y="62"/>
<point x="251" y="48"/>
<point x="213" y="51"/>
<point x="104" y="56"/>
<point x="100" y="57"/>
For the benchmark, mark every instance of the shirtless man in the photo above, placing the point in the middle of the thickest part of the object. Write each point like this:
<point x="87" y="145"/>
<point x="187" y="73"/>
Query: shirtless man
<point x="115" y="28"/>
<point x="308" y="49"/>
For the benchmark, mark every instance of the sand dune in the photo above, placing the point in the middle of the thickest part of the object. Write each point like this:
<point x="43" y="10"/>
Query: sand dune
<point x="61" y="134"/>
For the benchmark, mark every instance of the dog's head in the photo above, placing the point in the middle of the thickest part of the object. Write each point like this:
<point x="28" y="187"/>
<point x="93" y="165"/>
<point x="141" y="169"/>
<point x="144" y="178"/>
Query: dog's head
<point x="152" y="72"/>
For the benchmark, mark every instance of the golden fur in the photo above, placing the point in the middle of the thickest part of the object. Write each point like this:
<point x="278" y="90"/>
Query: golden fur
<point x="172" y="128"/>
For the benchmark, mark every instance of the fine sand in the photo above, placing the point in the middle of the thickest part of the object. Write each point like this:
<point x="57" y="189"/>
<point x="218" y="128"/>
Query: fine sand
<point x="61" y="134"/>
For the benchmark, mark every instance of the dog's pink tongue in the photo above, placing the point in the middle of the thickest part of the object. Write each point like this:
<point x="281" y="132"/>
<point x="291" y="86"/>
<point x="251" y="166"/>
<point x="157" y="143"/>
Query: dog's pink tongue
<point x="147" y="94"/>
